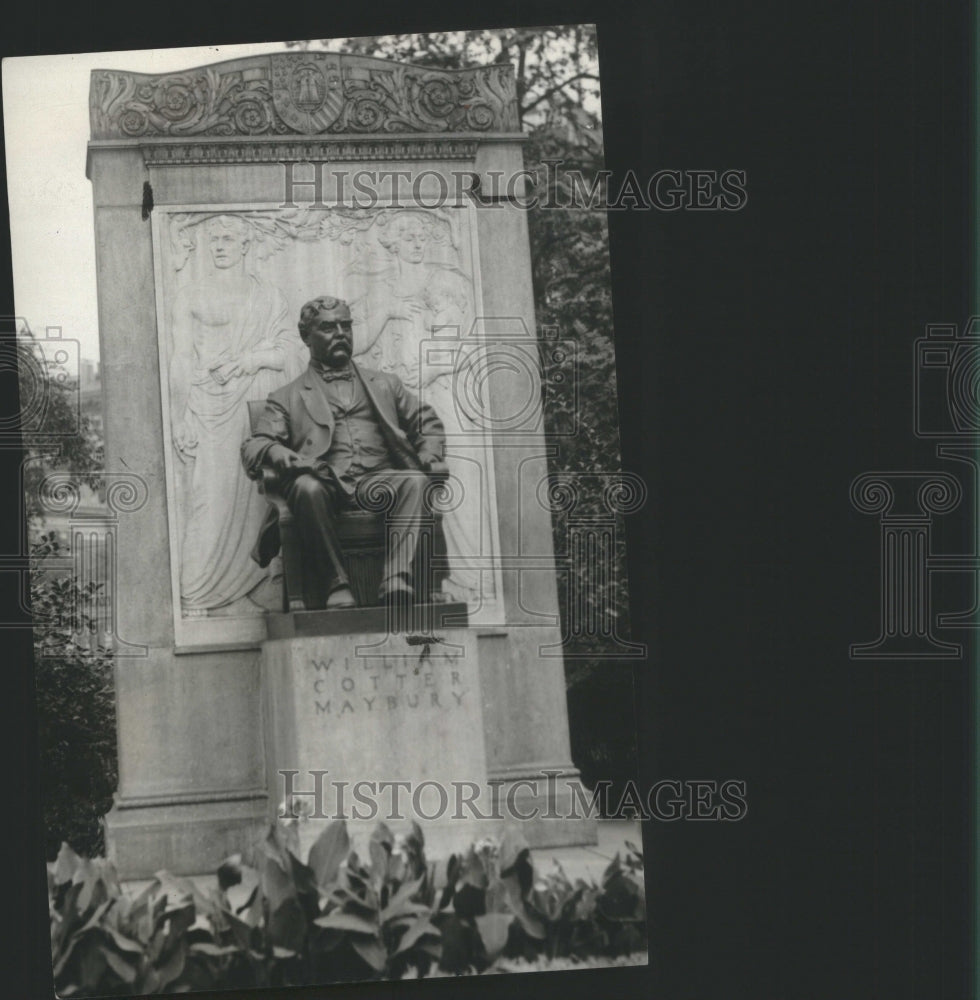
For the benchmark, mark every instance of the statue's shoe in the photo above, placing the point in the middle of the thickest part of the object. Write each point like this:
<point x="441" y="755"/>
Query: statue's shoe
<point x="341" y="598"/>
<point x="396" y="592"/>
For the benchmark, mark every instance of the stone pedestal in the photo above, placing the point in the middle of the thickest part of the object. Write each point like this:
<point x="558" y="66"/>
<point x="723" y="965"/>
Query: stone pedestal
<point x="168" y="831"/>
<point x="394" y="726"/>
<point x="347" y="716"/>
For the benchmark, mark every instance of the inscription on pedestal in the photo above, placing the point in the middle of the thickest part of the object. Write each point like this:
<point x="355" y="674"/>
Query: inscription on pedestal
<point x="386" y="684"/>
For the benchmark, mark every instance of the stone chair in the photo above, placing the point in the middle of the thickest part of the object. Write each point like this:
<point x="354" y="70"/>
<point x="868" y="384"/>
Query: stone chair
<point x="362" y="536"/>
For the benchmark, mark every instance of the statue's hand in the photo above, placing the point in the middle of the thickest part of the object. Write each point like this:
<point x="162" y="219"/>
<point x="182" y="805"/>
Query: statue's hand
<point x="288" y="462"/>
<point x="185" y="440"/>
<point x="408" y="308"/>
<point x="260" y="358"/>
<point x="226" y="371"/>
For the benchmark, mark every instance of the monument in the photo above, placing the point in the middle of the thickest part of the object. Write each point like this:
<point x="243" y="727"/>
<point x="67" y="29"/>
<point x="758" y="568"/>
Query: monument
<point x="227" y="197"/>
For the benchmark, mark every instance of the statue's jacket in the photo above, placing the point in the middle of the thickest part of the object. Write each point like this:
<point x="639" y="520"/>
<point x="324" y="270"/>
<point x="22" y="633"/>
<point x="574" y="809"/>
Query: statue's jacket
<point x="299" y="416"/>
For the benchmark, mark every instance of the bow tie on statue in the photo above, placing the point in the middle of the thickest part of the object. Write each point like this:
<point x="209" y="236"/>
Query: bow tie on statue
<point x="336" y="374"/>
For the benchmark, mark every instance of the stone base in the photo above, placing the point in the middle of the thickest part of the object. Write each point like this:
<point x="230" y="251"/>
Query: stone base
<point x="183" y="837"/>
<point x="548" y="812"/>
<point x="546" y="805"/>
<point x="392" y="727"/>
<point x="348" y="716"/>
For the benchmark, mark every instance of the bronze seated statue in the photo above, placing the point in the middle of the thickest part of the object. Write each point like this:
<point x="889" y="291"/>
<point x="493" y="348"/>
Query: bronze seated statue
<point x="347" y="458"/>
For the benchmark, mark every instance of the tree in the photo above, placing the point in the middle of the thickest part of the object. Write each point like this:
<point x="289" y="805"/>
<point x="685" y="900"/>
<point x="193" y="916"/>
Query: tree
<point x="556" y="68"/>
<point x="56" y="435"/>
<point x="75" y="693"/>
<point x="73" y="674"/>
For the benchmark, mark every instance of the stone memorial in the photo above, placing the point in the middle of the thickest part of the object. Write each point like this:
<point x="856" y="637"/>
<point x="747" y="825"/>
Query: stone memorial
<point x="226" y="198"/>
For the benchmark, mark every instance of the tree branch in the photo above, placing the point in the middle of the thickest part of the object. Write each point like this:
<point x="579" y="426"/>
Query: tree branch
<point x="554" y="90"/>
<point x="520" y="71"/>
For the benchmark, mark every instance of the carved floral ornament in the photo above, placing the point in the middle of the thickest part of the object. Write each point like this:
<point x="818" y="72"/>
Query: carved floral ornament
<point x="305" y="93"/>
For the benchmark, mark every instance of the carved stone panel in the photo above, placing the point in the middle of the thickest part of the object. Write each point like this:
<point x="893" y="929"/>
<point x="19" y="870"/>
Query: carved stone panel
<point x="230" y="286"/>
<point x="306" y="93"/>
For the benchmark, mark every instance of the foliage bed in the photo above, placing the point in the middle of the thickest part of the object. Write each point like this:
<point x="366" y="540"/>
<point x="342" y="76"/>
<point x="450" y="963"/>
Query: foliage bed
<point x="338" y="917"/>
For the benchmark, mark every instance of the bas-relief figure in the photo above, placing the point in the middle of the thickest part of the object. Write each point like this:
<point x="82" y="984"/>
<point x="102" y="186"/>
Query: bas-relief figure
<point x="232" y="344"/>
<point x="405" y="306"/>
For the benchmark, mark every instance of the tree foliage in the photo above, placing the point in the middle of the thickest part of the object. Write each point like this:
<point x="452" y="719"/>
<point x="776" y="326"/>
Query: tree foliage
<point x="76" y="706"/>
<point x="56" y="435"/>
<point x="72" y="674"/>
<point x="556" y="67"/>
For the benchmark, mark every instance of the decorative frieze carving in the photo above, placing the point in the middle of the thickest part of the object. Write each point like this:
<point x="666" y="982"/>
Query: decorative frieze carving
<point x="161" y="152"/>
<point x="303" y="93"/>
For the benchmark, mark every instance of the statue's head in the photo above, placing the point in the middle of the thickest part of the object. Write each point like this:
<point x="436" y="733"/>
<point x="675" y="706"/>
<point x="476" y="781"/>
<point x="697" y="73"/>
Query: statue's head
<point x="406" y="236"/>
<point x="326" y="328"/>
<point x="228" y="238"/>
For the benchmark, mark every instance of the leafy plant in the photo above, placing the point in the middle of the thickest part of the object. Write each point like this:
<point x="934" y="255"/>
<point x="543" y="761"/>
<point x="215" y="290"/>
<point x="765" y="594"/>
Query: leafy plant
<point x="76" y="705"/>
<point x="383" y="907"/>
<point x="517" y="914"/>
<point x="104" y="942"/>
<point x="334" y="918"/>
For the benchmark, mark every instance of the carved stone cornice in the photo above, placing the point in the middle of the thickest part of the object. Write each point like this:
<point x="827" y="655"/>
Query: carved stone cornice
<point x="302" y="93"/>
<point x="165" y="153"/>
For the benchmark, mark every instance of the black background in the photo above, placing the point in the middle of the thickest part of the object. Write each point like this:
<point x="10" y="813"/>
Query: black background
<point x="765" y="359"/>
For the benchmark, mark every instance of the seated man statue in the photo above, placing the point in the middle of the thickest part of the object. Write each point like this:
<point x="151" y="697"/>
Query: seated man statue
<point x="338" y="434"/>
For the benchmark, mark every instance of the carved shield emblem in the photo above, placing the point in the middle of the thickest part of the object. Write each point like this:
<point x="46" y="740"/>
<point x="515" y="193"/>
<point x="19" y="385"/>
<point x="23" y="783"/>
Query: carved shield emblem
<point x="307" y="90"/>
